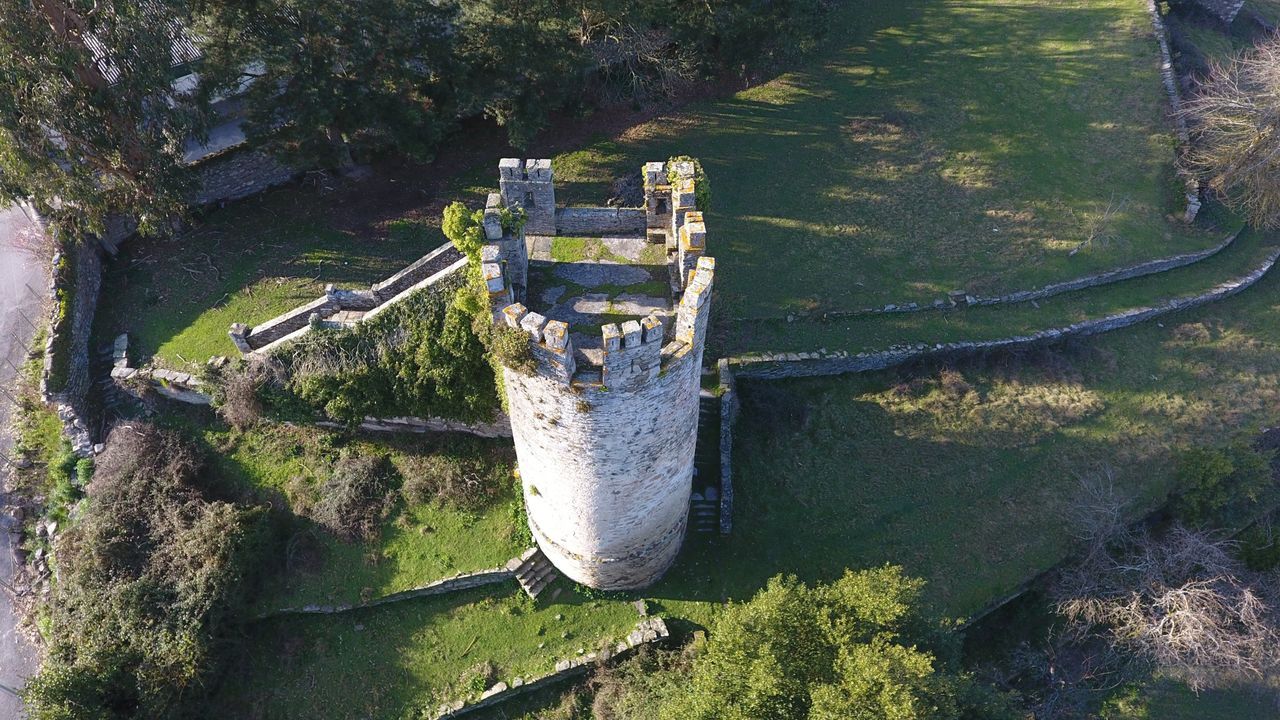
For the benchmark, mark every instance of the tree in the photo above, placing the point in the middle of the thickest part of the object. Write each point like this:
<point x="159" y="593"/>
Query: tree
<point x="1235" y="127"/>
<point x="90" y="123"/>
<point x="857" y="648"/>
<point x="325" y="77"/>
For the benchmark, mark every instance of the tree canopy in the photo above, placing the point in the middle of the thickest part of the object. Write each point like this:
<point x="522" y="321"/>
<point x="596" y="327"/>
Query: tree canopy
<point x="858" y="648"/>
<point x="90" y="123"/>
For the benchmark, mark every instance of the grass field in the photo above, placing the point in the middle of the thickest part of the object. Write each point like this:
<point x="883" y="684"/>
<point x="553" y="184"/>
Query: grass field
<point x="984" y="145"/>
<point x="941" y="146"/>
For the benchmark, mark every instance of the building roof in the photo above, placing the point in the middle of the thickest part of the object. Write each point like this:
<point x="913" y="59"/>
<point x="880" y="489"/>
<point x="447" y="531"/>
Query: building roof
<point x="183" y="48"/>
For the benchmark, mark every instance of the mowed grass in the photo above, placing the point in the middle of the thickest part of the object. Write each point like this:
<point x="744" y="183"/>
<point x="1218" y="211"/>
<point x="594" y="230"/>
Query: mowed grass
<point x="984" y="145"/>
<point x="967" y="475"/>
<point x="404" y="660"/>
<point x="881" y="331"/>
<point x="248" y="263"/>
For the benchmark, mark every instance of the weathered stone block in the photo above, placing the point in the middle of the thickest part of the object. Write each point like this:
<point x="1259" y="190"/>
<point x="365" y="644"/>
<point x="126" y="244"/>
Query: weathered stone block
<point x="533" y="323"/>
<point x="631" y="334"/>
<point x="612" y="337"/>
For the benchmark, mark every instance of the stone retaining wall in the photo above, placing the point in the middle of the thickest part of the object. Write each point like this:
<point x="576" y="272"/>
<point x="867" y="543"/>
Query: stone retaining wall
<point x="1189" y="181"/>
<point x="728" y="414"/>
<point x="178" y="386"/>
<point x="649" y="631"/>
<point x="592" y="221"/>
<point x="239" y="173"/>
<point x="958" y="298"/>
<point x="499" y="428"/>
<point x="774" y="366"/>
<point x="432" y="268"/>
<point x="457" y="583"/>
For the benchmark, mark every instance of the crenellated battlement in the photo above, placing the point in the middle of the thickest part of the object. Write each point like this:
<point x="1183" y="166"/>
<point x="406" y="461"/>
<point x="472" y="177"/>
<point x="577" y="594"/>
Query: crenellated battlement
<point x="606" y="423"/>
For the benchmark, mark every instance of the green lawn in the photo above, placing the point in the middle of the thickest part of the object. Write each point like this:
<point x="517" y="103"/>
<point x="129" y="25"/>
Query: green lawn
<point x="404" y="660"/>
<point x="177" y="298"/>
<point x="1170" y="700"/>
<point x="966" y="475"/>
<point x="879" y="332"/>
<point x="939" y="146"/>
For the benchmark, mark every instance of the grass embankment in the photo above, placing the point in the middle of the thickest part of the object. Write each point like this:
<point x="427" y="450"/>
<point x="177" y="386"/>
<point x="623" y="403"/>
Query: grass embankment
<point x="177" y="298"/>
<point x="967" y="475"/>
<point x="984" y="146"/>
<point x="879" y="332"/>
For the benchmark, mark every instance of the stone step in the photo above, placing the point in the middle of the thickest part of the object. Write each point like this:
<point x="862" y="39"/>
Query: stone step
<point x="534" y="572"/>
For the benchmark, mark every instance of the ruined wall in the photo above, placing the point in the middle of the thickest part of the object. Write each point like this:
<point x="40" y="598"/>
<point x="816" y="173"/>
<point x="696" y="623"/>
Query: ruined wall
<point x="528" y="185"/>
<point x="593" y="221"/>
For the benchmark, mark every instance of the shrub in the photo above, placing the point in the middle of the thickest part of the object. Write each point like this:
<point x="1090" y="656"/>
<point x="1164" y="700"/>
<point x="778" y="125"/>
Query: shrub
<point x="857" y="648"/>
<point x="419" y="357"/>
<point x="702" y="186"/>
<point x="355" y="498"/>
<point x="241" y="388"/>
<point x="151" y="580"/>
<point x="1220" y="486"/>
<point x="467" y="483"/>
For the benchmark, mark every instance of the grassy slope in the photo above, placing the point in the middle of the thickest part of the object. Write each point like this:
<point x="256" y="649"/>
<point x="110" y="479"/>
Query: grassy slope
<point x="403" y="659"/>
<point x="878" y="332"/>
<point x="177" y="298"/>
<point x="944" y="145"/>
<point x="967" y="478"/>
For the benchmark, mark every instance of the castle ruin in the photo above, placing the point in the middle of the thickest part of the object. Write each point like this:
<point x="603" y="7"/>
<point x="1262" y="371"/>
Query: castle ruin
<point x="605" y="426"/>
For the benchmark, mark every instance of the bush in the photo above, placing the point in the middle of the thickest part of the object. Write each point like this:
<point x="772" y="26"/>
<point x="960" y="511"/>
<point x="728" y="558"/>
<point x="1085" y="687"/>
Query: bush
<point x="355" y="498"/>
<point x="150" y="582"/>
<point x="467" y="483"/>
<point x="701" y="187"/>
<point x="857" y="648"/>
<point x="241" y="388"/>
<point x="1221" y="486"/>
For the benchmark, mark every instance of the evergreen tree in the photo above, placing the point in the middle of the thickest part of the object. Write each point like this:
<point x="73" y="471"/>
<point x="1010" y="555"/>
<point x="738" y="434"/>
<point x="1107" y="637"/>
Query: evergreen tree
<point x="90" y="123"/>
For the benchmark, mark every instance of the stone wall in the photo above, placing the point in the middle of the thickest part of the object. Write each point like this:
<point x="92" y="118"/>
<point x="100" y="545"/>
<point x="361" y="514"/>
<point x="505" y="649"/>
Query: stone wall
<point x="1190" y="183"/>
<point x="600" y="221"/>
<point x="728" y="415"/>
<point x="432" y="268"/>
<point x="606" y="454"/>
<point x="444" y="586"/>
<point x="960" y="299"/>
<point x="239" y="173"/>
<point x="499" y="428"/>
<point x="67" y="340"/>
<point x="775" y="366"/>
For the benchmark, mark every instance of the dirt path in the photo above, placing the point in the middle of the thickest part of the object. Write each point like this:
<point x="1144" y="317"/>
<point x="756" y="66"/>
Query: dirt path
<point x="22" y="264"/>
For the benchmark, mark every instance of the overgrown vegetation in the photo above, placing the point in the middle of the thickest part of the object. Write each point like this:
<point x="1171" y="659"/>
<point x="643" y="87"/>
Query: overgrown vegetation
<point x="60" y="324"/>
<point x="419" y="357"/>
<point x="151" y="581"/>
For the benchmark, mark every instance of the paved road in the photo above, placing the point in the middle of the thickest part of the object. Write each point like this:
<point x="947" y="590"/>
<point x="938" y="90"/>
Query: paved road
<point x="21" y="264"/>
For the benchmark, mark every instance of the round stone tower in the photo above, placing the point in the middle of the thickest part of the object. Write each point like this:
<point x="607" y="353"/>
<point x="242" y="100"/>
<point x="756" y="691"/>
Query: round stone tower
<point x="605" y="431"/>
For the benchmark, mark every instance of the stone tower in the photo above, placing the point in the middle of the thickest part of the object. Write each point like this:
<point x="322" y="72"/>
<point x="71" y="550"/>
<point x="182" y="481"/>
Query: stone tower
<point x="605" y="435"/>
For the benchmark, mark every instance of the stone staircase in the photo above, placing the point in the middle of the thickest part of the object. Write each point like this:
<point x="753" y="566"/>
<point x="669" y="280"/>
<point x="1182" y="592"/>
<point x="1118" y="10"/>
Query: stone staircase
<point x="704" y="503"/>
<point x="704" y="511"/>
<point x="533" y="571"/>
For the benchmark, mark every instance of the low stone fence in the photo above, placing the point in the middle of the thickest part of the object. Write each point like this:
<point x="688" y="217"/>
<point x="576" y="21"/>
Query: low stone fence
<point x="728" y="414"/>
<point x="499" y="428"/>
<point x="961" y="299"/>
<point x="179" y="386"/>
<point x="238" y="173"/>
<point x="808" y="364"/>
<point x="457" y="583"/>
<point x="433" y="267"/>
<point x="1190" y="183"/>
<point x="648" y="631"/>
<point x="591" y="221"/>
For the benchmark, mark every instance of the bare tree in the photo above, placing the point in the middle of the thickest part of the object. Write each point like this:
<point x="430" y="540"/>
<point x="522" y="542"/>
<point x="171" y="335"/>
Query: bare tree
<point x="1178" y="601"/>
<point x="1235" y="129"/>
